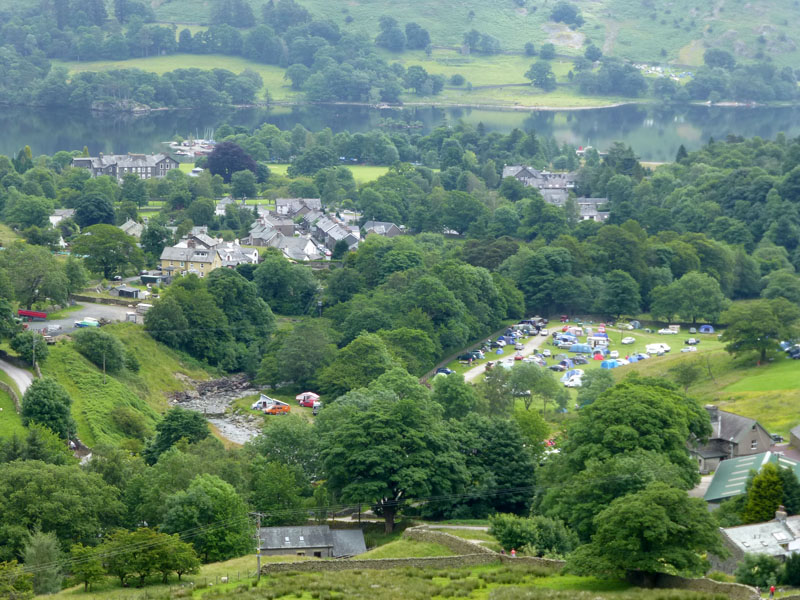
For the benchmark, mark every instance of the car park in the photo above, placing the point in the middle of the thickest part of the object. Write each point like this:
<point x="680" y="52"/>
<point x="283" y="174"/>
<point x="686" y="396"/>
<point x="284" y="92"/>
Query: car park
<point x="628" y="340"/>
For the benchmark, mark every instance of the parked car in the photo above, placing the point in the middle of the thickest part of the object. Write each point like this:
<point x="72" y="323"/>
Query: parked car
<point x="444" y="371"/>
<point x="692" y="329"/>
<point x="613" y="354"/>
<point x="692" y="341"/>
<point x="501" y="343"/>
<point x="87" y="322"/>
<point x="277" y="408"/>
<point x="776" y="437"/>
<point x="574" y="382"/>
<point x="557" y="368"/>
<point x="667" y="332"/>
<point x="544" y="332"/>
<point x="518" y="357"/>
<point x="546" y="353"/>
<point x="466" y="357"/>
<point x="628" y="340"/>
<point x="494" y="344"/>
<point x="689" y="349"/>
<point x="580" y="360"/>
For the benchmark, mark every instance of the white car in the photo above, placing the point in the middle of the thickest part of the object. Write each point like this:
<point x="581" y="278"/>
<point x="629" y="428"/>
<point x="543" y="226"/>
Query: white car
<point x="546" y="352"/>
<point x="544" y="332"/>
<point x="501" y="343"/>
<point x="667" y="332"/>
<point x="628" y="340"/>
<point x="519" y="346"/>
<point x="689" y="349"/>
<point x="613" y="354"/>
<point x="574" y="382"/>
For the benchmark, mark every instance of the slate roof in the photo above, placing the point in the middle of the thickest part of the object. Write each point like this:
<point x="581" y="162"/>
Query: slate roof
<point x="131" y="227"/>
<point x="730" y="425"/>
<point x="125" y="160"/>
<point x="776" y="537"/>
<point x="343" y="542"/>
<point x="66" y="213"/>
<point x="730" y="478"/>
<point x="173" y="253"/>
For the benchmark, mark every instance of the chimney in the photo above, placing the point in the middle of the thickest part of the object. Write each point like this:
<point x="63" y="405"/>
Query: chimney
<point x="190" y="243"/>
<point x="781" y="514"/>
<point x="100" y="154"/>
<point x="713" y="412"/>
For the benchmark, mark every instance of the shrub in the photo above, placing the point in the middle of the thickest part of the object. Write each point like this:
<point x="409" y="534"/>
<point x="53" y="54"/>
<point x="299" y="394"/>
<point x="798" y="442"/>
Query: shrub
<point x="101" y="348"/>
<point x="758" y="570"/>
<point x="29" y="343"/>
<point x="457" y="79"/>
<point x="539" y="535"/>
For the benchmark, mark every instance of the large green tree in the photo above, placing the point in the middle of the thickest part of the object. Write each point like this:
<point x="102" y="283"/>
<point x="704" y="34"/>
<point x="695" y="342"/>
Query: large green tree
<point x="177" y="423"/>
<point x="764" y="495"/>
<point x="108" y="250"/>
<point x="656" y="530"/>
<point x="381" y="450"/>
<point x="203" y="507"/>
<point x="43" y="557"/>
<point x="694" y="296"/>
<point x="35" y="274"/>
<point x="47" y="403"/>
<point x="357" y="364"/>
<point x="620" y="295"/>
<point x="759" y="326"/>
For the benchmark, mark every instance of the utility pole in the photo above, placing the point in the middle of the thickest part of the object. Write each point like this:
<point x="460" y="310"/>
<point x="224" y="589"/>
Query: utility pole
<point x="104" y="366"/>
<point x="258" y="547"/>
<point x="33" y="337"/>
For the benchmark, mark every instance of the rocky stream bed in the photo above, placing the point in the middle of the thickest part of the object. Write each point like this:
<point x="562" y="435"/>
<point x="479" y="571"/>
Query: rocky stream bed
<point x="214" y="399"/>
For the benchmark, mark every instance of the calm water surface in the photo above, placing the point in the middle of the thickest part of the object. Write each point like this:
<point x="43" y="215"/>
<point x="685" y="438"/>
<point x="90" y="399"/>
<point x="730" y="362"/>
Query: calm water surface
<point x="655" y="134"/>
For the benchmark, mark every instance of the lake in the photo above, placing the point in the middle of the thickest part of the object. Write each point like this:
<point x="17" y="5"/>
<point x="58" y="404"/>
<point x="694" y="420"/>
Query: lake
<point x="654" y="133"/>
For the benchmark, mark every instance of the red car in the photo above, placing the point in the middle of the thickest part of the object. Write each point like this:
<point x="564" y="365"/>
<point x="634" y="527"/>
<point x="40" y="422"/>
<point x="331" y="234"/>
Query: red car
<point x="307" y="399"/>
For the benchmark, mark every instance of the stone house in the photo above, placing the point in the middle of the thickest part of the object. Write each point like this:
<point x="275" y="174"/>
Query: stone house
<point x="731" y="436"/>
<point x="146" y="166"/>
<point x="319" y="541"/>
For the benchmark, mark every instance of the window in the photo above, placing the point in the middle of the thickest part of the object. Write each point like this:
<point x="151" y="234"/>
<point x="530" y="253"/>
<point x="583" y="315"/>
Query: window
<point x="181" y="263"/>
<point x="753" y="444"/>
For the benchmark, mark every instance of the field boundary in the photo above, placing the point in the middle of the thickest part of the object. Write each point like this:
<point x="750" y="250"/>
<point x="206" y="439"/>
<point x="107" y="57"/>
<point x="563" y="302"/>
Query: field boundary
<point x="13" y="394"/>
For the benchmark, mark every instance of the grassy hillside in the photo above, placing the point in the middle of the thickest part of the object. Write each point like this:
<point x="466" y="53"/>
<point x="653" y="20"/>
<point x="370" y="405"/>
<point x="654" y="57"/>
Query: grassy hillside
<point x="767" y="393"/>
<point x="97" y="406"/>
<point x="279" y="90"/>
<point x="628" y="28"/>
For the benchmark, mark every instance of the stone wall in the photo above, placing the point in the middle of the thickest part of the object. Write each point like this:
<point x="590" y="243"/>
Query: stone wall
<point x="734" y="591"/>
<point x="455" y="543"/>
<point x="11" y="392"/>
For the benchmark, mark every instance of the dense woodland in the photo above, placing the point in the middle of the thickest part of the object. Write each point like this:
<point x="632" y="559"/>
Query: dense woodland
<point x="322" y="61"/>
<point x="682" y="242"/>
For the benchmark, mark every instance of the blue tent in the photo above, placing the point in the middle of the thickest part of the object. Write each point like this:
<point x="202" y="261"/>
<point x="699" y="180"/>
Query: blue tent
<point x="567" y="363"/>
<point x="580" y="348"/>
<point x="499" y="351"/>
<point x="602" y="335"/>
<point x="633" y="359"/>
<point x="609" y="364"/>
<point x="706" y="329"/>
<point x="568" y="374"/>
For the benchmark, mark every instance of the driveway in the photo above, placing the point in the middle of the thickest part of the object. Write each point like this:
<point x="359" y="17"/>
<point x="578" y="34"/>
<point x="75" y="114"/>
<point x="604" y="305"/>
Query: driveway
<point x="21" y="377"/>
<point x="530" y="346"/>
<point x="98" y="311"/>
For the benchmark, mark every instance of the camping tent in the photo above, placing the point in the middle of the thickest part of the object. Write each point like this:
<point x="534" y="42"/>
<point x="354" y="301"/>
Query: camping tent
<point x="567" y="363"/>
<point x="580" y="348"/>
<point x="609" y="364"/>
<point x="636" y="324"/>
<point x="597" y="356"/>
<point x="570" y="374"/>
<point x="706" y="329"/>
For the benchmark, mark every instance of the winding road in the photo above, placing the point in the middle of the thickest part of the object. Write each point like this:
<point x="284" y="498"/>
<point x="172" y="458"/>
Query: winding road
<point x="21" y="377"/>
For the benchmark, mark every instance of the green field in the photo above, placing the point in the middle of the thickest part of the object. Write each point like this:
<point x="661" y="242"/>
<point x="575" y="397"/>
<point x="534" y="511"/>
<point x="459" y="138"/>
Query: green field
<point x="361" y="173"/>
<point x="405" y="548"/>
<point x="274" y="83"/>
<point x="10" y="421"/>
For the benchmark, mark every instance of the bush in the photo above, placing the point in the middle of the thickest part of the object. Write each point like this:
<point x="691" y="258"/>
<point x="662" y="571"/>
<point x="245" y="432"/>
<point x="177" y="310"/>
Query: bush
<point x="457" y="79"/>
<point x="758" y="570"/>
<point x="132" y="423"/>
<point x="540" y="535"/>
<point x="101" y="348"/>
<point x="47" y="403"/>
<point x="29" y="343"/>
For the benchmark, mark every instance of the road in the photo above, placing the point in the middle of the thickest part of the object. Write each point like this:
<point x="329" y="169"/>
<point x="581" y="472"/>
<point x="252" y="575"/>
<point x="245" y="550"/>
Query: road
<point x="98" y="311"/>
<point x="21" y="377"/>
<point x="532" y="344"/>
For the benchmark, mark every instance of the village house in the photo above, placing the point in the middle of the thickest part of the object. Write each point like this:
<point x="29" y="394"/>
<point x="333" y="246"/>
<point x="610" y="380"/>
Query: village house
<point x="778" y="538"/>
<point x="219" y="209"/>
<point x="293" y="207"/>
<point x="60" y="214"/>
<point x="541" y="180"/>
<point x="732" y="436"/>
<point x="318" y="541"/>
<point x="146" y="166"/>
<point x="328" y="233"/>
<point x="232" y="254"/>
<point x="131" y="227"/>
<point x="382" y="228"/>
<point x="588" y="209"/>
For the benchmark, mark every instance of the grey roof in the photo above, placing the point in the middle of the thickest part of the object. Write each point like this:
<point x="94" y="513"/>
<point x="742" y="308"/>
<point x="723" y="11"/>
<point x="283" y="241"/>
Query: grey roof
<point x="297" y="248"/>
<point x="64" y="212"/>
<point x="133" y="228"/>
<point x="203" y="255"/>
<point x="795" y="431"/>
<point x="126" y="288"/>
<point x="124" y="160"/>
<point x="343" y="542"/>
<point x="775" y="538"/>
<point x="557" y="196"/>
<point x="379" y="227"/>
<point x="312" y="216"/>
<point x="292" y="205"/>
<point x="730" y="425"/>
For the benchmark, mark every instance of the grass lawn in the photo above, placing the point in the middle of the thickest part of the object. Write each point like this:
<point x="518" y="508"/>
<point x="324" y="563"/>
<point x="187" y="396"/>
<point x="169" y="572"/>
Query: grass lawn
<point x="405" y="548"/>
<point x="10" y="421"/>
<point x="7" y="235"/>
<point x="238" y="571"/>
<point x="470" y="534"/>
<point x="272" y="75"/>
<point x="361" y="173"/>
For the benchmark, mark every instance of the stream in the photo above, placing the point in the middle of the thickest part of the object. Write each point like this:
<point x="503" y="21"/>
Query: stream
<point x="215" y="399"/>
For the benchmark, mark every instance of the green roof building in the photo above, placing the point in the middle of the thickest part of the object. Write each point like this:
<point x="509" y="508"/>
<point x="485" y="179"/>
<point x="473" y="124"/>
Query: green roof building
<point x="730" y="478"/>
